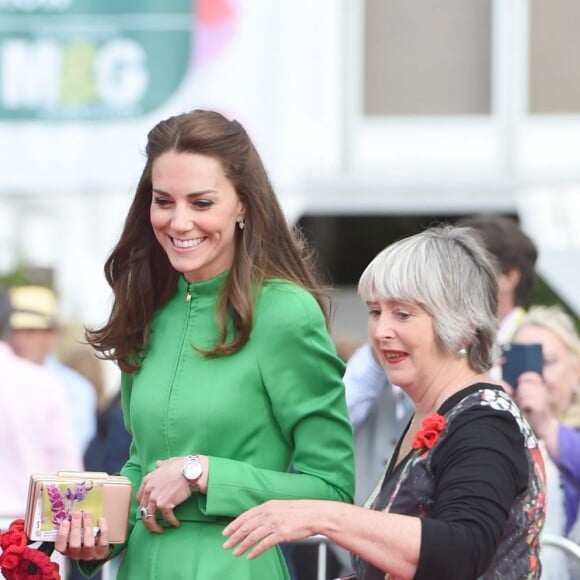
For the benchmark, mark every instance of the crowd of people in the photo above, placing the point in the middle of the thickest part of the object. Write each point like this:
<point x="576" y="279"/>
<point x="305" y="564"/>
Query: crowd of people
<point x="242" y="429"/>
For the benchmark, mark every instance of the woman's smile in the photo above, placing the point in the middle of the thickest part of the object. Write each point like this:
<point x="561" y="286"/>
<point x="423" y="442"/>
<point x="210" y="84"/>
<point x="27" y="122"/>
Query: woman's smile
<point x="394" y="356"/>
<point x="187" y="244"/>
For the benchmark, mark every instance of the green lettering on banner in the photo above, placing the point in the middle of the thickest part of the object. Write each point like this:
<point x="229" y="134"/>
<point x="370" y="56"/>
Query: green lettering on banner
<point x="91" y="59"/>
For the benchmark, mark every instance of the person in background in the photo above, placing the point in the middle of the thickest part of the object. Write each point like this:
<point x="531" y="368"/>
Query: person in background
<point x="463" y="495"/>
<point x="116" y="444"/>
<point x="117" y="438"/>
<point x="346" y="345"/>
<point x="36" y="429"/>
<point x="109" y="449"/>
<point x="516" y="255"/>
<point x="80" y="357"/>
<point x="34" y="336"/>
<point x="229" y="371"/>
<point x="379" y="412"/>
<point x="550" y="403"/>
<point x="378" y="409"/>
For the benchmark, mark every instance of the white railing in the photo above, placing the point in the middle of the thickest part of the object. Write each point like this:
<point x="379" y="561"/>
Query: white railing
<point x="322" y="542"/>
<point x="568" y="546"/>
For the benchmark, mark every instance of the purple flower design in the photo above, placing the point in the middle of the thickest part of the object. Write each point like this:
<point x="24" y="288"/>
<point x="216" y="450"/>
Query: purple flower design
<point x="62" y="504"/>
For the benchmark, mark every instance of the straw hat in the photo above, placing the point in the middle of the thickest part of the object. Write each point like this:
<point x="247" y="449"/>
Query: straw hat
<point x="33" y="308"/>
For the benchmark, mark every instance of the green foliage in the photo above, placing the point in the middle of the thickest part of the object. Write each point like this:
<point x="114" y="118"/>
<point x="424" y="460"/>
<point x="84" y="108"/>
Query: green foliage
<point x="15" y="278"/>
<point x="23" y="275"/>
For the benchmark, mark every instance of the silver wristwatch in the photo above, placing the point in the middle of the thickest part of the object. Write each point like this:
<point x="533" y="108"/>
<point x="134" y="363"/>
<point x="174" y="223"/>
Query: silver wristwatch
<point x="192" y="470"/>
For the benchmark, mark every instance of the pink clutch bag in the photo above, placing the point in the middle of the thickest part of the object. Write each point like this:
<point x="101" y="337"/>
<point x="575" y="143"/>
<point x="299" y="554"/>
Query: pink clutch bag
<point x="53" y="498"/>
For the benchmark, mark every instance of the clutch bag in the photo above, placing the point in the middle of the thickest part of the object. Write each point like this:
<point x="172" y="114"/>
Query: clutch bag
<point x="52" y="498"/>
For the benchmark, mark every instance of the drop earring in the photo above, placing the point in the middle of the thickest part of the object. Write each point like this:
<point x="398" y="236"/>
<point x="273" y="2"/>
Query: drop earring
<point x="241" y="223"/>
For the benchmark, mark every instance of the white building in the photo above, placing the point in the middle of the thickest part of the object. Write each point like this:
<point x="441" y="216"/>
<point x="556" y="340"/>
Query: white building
<point x="376" y="107"/>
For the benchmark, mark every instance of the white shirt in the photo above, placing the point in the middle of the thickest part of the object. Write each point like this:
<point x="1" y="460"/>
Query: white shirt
<point x="364" y="380"/>
<point x="36" y="429"/>
<point x="82" y="399"/>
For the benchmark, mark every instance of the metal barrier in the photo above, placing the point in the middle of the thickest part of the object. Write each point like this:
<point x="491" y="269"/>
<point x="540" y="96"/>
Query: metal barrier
<point x="568" y="546"/>
<point x="322" y="542"/>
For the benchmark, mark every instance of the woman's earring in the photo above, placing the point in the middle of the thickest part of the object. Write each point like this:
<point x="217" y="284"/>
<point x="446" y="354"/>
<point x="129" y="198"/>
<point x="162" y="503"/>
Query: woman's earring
<point x="462" y="352"/>
<point x="241" y="223"/>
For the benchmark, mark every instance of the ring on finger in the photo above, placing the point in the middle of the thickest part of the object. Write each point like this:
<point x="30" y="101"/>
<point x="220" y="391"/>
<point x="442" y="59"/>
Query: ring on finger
<point x="145" y="513"/>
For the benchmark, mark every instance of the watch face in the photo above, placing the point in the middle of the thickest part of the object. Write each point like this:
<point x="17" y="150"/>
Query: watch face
<point x="192" y="470"/>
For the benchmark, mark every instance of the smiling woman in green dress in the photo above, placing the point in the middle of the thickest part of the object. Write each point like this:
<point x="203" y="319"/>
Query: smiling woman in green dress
<point x="229" y="372"/>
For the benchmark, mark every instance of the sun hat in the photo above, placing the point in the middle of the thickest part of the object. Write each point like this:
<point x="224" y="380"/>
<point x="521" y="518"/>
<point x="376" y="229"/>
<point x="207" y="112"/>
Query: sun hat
<point x="33" y="308"/>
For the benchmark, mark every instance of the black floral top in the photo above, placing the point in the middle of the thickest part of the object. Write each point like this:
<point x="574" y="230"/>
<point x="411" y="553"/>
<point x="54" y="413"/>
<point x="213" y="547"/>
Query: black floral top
<point x="479" y="491"/>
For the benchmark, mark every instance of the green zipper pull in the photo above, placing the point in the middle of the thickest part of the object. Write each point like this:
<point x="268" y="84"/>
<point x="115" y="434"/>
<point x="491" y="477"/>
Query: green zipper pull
<point x="188" y="295"/>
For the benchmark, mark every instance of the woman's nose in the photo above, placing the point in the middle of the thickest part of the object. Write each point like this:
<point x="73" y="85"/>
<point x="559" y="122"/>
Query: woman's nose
<point x="382" y="330"/>
<point x="182" y="220"/>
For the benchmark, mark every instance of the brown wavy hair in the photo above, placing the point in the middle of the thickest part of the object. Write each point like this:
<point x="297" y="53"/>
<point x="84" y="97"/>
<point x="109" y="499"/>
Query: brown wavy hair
<point x="140" y="274"/>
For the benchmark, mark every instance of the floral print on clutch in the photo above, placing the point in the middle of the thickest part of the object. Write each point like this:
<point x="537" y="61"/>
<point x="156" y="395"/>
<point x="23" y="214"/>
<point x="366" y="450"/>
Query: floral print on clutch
<point x="60" y="500"/>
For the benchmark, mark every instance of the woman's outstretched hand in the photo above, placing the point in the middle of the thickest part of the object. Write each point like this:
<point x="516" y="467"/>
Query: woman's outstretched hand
<point x="270" y="523"/>
<point x="76" y="538"/>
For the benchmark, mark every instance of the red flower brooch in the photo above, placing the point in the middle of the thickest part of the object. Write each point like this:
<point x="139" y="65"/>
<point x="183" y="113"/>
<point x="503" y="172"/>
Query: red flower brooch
<point x="18" y="561"/>
<point x="428" y="436"/>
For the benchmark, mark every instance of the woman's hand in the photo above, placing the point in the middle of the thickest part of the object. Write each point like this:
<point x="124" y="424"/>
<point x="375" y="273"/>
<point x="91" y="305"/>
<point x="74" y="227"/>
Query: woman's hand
<point x="76" y="539"/>
<point x="165" y="488"/>
<point x="271" y="523"/>
<point x="533" y="397"/>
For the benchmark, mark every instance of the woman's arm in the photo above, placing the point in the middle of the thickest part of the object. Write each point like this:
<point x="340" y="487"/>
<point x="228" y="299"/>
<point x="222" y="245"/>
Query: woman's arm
<point x="390" y="542"/>
<point x="364" y="381"/>
<point x="302" y="380"/>
<point x="568" y="457"/>
<point x="533" y="397"/>
<point x="478" y="471"/>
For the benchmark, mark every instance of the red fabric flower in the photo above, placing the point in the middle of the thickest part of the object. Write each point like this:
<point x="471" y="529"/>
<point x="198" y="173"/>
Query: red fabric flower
<point x="13" y="543"/>
<point x="428" y="436"/>
<point x="19" y="562"/>
<point x="17" y="525"/>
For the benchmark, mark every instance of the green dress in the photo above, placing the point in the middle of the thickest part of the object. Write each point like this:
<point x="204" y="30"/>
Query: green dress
<point x="278" y="401"/>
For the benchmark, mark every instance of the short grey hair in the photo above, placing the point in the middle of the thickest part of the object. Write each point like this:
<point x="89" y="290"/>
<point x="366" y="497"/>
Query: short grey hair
<point x="5" y="312"/>
<point x="555" y="319"/>
<point x="448" y="272"/>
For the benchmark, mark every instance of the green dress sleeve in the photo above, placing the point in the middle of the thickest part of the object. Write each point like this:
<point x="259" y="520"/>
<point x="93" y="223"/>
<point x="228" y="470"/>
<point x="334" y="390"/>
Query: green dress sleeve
<point x="302" y="376"/>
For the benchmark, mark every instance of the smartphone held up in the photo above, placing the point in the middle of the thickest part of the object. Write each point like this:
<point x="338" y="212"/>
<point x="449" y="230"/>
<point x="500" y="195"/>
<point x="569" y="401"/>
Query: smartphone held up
<point x="519" y="359"/>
